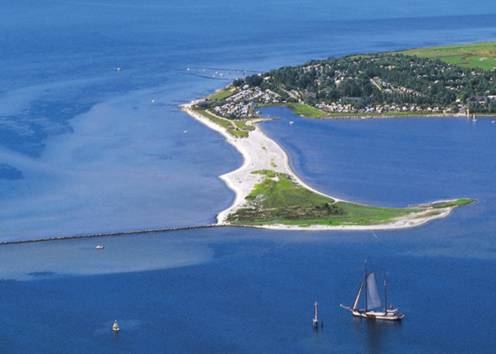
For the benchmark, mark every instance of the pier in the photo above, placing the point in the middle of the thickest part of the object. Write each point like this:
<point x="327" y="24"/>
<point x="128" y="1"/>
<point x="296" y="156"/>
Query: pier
<point x="116" y="234"/>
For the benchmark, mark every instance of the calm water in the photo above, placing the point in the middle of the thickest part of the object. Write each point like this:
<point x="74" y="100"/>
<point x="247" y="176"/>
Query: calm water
<point x="91" y="137"/>
<point x="92" y="140"/>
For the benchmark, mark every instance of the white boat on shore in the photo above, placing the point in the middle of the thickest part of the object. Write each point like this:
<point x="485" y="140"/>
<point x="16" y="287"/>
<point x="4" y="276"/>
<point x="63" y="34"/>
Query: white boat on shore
<point x="372" y="302"/>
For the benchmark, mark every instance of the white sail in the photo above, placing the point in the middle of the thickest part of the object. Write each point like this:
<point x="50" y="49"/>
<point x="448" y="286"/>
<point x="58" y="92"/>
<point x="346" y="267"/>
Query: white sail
<point x="357" y="299"/>
<point x="373" y="298"/>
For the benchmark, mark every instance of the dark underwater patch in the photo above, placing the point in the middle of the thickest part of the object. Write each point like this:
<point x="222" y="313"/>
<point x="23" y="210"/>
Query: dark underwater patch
<point x="9" y="172"/>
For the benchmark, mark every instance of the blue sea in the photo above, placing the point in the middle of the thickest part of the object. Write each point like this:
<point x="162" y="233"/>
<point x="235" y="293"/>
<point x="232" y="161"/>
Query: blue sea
<point x="92" y="140"/>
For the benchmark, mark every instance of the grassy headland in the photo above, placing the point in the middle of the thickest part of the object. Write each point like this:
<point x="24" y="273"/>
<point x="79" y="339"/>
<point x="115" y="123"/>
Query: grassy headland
<point x="278" y="199"/>
<point x="434" y="81"/>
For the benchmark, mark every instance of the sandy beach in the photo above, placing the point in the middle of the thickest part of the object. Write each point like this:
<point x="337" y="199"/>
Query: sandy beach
<point x="262" y="153"/>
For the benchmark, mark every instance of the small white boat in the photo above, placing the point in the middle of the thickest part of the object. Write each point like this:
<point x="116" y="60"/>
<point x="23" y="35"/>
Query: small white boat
<point x="115" y="327"/>
<point x="372" y="302"/>
<point x="100" y="247"/>
<point x="291" y="122"/>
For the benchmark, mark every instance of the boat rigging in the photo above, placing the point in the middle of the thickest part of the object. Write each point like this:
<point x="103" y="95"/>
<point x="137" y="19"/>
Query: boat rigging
<point x="372" y="301"/>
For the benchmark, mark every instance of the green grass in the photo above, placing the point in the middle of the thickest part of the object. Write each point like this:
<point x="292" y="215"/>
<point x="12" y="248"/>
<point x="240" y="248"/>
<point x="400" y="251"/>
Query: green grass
<point x="237" y="128"/>
<point x="267" y="173"/>
<point x="279" y="200"/>
<point x="242" y="124"/>
<point x="222" y="94"/>
<point x="356" y="214"/>
<point x="476" y="56"/>
<point x="307" y="111"/>
<point x="452" y="203"/>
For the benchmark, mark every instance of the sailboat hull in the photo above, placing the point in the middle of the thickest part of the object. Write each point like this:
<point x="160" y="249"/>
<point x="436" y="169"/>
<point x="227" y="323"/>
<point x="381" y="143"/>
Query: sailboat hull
<point x="376" y="315"/>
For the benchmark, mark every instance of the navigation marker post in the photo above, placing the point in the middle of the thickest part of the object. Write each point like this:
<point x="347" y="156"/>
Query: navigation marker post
<point x="315" y="320"/>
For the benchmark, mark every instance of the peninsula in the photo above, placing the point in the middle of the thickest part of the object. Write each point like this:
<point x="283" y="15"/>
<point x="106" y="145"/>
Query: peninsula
<point x="268" y="192"/>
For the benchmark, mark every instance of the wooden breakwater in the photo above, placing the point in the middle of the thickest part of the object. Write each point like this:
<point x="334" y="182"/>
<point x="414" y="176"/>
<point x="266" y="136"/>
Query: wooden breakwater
<point x="114" y="234"/>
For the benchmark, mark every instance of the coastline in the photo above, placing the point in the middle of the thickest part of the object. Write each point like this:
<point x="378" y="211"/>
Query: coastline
<point x="399" y="115"/>
<point x="260" y="152"/>
<point x="269" y="156"/>
<point x="388" y="115"/>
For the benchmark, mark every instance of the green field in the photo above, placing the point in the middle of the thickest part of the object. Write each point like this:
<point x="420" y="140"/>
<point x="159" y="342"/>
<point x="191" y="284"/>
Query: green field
<point x="222" y="94"/>
<point x="307" y="111"/>
<point x="279" y="200"/>
<point x="237" y="128"/>
<point x="477" y="56"/>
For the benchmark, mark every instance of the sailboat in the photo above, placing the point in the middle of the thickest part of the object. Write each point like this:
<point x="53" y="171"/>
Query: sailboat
<point x="373" y="308"/>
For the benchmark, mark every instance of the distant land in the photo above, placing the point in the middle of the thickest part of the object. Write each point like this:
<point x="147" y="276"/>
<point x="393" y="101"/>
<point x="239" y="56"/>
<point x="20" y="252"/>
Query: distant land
<point x="470" y="56"/>
<point x="452" y="80"/>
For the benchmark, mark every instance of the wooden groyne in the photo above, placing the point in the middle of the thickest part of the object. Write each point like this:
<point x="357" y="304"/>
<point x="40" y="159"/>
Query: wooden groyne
<point x="114" y="234"/>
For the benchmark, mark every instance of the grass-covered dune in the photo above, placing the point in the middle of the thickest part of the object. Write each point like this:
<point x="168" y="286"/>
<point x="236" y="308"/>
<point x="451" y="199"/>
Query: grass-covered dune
<point x="280" y="200"/>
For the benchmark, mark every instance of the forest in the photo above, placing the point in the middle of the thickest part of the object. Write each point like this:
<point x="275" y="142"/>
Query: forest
<point x="380" y="83"/>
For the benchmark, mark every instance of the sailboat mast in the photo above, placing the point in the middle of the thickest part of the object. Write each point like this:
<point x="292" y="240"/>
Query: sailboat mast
<point x="316" y="312"/>
<point x="357" y="298"/>
<point x="366" y="287"/>
<point x="385" y="293"/>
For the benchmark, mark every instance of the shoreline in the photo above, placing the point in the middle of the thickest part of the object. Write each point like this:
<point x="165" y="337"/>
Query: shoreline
<point x="260" y="152"/>
<point x="387" y="115"/>
<point x="270" y="156"/>
<point x="337" y="116"/>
